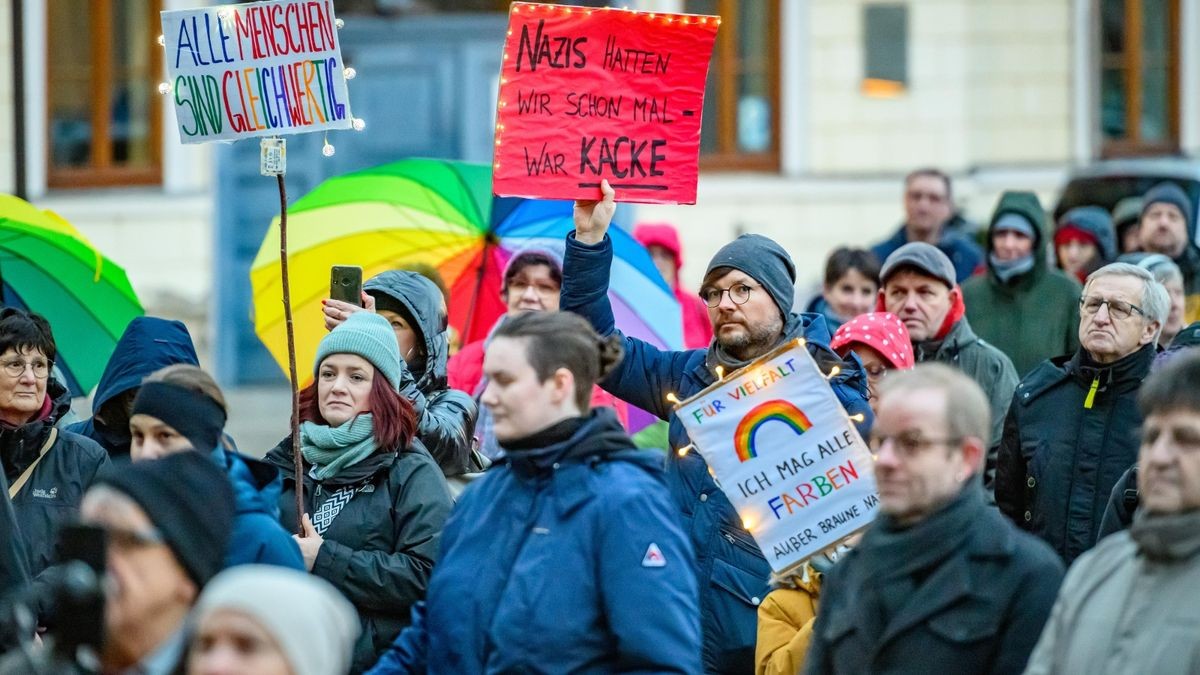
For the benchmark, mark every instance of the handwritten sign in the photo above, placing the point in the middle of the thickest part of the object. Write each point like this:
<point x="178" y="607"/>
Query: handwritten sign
<point x="255" y="69"/>
<point x="589" y="94"/>
<point x="786" y="454"/>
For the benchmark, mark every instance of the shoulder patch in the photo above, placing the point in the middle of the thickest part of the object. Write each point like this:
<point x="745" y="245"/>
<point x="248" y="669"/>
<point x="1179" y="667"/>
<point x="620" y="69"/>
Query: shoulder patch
<point x="653" y="557"/>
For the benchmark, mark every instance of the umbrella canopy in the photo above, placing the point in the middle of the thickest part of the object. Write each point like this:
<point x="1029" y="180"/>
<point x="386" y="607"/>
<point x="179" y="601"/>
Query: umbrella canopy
<point x="442" y="214"/>
<point x="48" y="267"/>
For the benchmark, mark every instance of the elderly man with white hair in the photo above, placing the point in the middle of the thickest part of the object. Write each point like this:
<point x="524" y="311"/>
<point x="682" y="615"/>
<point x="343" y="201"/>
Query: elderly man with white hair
<point x="1073" y="426"/>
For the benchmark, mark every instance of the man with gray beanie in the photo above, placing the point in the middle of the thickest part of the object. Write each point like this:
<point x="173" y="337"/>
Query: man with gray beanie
<point x="748" y="288"/>
<point x="1167" y="227"/>
<point x="917" y="285"/>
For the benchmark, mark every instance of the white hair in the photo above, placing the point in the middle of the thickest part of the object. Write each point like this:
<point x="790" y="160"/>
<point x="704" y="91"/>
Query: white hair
<point x="1155" y="303"/>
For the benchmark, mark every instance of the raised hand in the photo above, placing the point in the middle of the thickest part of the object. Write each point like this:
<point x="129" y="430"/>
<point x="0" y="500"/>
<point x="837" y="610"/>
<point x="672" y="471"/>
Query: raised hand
<point x="592" y="217"/>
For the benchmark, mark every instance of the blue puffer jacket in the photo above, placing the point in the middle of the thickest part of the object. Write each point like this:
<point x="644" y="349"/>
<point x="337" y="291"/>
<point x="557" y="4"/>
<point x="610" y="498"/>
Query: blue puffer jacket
<point x="731" y="570"/>
<point x="563" y="559"/>
<point x="257" y="535"/>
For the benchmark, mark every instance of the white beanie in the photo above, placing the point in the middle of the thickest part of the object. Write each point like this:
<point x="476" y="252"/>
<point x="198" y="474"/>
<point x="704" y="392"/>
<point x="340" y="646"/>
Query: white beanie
<point x="313" y="624"/>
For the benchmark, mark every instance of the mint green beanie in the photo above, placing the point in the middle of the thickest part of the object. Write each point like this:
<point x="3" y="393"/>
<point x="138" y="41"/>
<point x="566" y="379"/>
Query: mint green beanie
<point x="367" y="335"/>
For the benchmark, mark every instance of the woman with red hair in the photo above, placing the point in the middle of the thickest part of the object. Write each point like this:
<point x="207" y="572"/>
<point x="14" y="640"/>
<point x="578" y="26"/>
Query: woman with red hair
<point x="375" y="500"/>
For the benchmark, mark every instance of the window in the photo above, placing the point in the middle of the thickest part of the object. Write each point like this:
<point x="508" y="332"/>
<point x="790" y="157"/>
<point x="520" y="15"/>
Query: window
<point x="1139" y="76"/>
<point x="885" y="50"/>
<point x="103" y="69"/>
<point x="741" y="102"/>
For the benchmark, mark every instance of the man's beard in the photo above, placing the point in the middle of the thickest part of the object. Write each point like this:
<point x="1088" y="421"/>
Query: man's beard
<point x="753" y="342"/>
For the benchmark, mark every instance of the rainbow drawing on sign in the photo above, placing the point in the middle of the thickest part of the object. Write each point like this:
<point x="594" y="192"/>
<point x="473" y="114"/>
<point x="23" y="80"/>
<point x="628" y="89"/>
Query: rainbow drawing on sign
<point x="771" y="411"/>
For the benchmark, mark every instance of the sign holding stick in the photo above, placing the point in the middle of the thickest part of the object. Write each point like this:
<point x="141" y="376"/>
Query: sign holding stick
<point x="592" y="94"/>
<point x="786" y="454"/>
<point x="256" y="69"/>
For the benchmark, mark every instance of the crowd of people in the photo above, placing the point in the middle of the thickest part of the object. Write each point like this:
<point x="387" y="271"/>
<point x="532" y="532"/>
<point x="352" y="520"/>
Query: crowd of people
<point x="1027" y="389"/>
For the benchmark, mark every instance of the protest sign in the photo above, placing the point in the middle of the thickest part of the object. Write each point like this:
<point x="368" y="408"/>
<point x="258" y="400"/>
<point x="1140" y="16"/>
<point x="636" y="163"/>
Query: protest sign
<point x="591" y="94"/>
<point x="255" y="69"/>
<point x="785" y="453"/>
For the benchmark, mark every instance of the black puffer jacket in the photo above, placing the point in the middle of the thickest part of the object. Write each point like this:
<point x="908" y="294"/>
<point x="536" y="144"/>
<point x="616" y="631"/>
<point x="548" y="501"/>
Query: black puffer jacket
<point x="52" y="495"/>
<point x="379" y="550"/>
<point x="447" y="416"/>
<point x="1059" y="460"/>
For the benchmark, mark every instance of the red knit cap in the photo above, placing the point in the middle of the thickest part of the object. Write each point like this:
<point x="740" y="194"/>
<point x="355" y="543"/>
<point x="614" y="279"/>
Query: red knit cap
<point x="882" y="331"/>
<point x="1069" y="232"/>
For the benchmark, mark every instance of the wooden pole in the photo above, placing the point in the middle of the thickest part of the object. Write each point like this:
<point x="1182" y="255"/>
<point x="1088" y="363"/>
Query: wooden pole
<point x="297" y="458"/>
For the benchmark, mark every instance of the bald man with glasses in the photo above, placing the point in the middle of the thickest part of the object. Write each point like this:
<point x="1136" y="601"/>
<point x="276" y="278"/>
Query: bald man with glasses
<point x="1073" y="426"/>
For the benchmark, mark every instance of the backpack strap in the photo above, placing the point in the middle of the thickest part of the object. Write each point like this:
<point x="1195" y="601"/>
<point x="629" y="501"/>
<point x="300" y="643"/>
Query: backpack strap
<point x="15" y="488"/>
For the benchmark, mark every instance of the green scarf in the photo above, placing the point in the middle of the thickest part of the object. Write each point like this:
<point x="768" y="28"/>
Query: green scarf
<point x="331" y="449"/>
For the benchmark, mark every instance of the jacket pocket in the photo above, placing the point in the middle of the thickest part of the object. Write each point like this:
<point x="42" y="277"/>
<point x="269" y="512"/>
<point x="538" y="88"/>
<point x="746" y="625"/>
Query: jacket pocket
<point x="734" y="597"/>
<point x="967" y="625"/>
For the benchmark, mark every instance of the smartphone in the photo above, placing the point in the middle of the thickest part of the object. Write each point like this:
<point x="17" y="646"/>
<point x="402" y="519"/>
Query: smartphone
<point x="345" y="284"/>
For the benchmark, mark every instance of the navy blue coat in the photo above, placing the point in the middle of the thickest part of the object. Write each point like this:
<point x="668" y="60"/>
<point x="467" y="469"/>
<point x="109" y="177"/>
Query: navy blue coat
<point x="544" y="568"/>
<point x="257" y="537"/>
<point x="730" y="568"/>
<point x="964" y="253"/>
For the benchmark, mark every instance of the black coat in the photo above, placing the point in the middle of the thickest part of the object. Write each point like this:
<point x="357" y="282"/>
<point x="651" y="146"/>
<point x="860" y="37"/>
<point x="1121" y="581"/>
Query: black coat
<point x="1058" y="461"/>
<point x="979" y="610"/>
<point x="379" y="550"/>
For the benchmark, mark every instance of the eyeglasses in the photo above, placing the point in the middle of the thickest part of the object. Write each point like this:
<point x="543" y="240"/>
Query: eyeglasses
<point x="1117" y="309"/>
<point x="876" y="371"/>
<point x="738" y="295"/>
<point x="129" y="540"/>
<point x="16" y="368"/>
<point x="909" y="444"/>
<point x="542" y="289"/>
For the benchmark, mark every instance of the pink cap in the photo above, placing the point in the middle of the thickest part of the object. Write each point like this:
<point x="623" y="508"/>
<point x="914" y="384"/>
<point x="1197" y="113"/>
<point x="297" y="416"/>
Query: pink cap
<point x="882" y="331"/>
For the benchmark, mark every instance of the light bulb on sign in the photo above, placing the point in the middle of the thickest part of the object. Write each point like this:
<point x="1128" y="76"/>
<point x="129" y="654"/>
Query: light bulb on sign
<point x="339" y="23"/>
<point x="328" y="150"/>
<point x="349" y="73"/>
<point x="672" y="398"/>
<point x="358" y="124"/>
<point x="162" y="40"/>
<point x="164" y="88"/>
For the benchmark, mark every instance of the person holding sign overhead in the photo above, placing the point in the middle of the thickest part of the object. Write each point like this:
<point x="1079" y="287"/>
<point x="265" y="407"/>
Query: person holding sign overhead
<point x="749" y="289"/>
<point x="940" y="583"/>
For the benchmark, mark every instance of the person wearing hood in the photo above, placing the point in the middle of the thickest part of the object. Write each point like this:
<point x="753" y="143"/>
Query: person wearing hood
<point x="881" y="342"/>
<point x="1027" y="309"/>
<point x="749" y="288"/>
<point x="850" y="286"/>
<point x="147" y="345"/>
<point x="1126" y="215"/>
<point x="415" y="308"/>
<point x="1073" y="428"/>
<point x="1167" y="273"/>
<point x="918" y="286"/>
<point x="567" y="555"/>
<point x="181" y="409"/>
<point x="47" y="469"/>
<point x="662" y="241"/>
<point x="1084" y="241"/>
<point x="1167" y="227"/>
<point x="928" y="207"/>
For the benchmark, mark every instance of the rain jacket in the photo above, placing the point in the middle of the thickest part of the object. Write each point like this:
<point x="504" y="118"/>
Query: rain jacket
<point x="963" y="253"/>
<point x="697" y="329"/>
<point x="562" y="559"/>
<point x="52" y="495"/>
<point x="1059" y="458"/>
<point x="1129" y="605"/>
<point x="730" y="568"/>
<point x="147" y="345"/>
<point x="1034" y="316"/>
<point x="785" y="625"/>
<point x="257" y="534"/>
<point x="447" y="417"/>
<point x="380" y="548"/>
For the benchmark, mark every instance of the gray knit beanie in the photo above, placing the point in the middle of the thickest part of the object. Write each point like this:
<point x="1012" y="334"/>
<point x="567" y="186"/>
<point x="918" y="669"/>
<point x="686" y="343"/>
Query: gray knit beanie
<point x="370" y="336"/>
<point x="1169" y="193"/>
<point x="765" y="261"/>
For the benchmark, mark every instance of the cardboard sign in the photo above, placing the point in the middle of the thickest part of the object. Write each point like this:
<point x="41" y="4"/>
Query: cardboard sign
<point x="786" y="454"/>
<point x="592" y="94"/>
<point x="258" y="69"/>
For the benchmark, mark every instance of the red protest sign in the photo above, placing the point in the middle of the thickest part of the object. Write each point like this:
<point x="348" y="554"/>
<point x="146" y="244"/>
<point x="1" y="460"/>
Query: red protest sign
<point x="591" y="94"/>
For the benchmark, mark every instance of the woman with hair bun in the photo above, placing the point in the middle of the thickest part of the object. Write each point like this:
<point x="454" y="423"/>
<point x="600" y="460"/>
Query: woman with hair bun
<point x="567" y="555"/>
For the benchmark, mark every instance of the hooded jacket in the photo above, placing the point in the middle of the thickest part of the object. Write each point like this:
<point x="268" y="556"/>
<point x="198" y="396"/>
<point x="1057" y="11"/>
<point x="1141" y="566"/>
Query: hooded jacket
<point x="785" y="624"/>
<point x="1033" y="316"/>
<point x="447" y="416"/>
<point x="147" y="345"/>
<point x="257" y="537"/>
<point x="52" y="495"/>
<point x="697" y="329"/>
<point x="1060" y="457"/>
<point x="730" y="568"/>
<point x="963" y="253"/>
<point x="1097" y="222"/>
<point x="563" y="559"/>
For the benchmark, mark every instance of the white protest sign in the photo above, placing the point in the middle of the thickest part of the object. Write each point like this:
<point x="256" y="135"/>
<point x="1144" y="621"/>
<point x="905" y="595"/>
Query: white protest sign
<point x="786" y="454"/>
<point x="255" y="69"/>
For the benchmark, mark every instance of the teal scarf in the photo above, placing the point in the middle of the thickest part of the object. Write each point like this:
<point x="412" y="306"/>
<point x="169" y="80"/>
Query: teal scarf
<point x="331" y="449"/>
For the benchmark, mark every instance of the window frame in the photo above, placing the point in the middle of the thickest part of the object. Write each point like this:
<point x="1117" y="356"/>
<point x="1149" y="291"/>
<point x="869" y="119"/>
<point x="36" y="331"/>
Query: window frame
<point x="1131" y="60"/>
<point x="100" y="171"/>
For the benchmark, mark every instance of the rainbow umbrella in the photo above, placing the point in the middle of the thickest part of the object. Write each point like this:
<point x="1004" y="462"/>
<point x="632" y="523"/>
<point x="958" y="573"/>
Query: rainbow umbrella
<point x="442" y="214"/>
<point x="48" y="267"/>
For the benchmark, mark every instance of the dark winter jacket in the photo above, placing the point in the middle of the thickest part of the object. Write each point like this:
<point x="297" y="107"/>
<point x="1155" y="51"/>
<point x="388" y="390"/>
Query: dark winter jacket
<point x="564" y="559"/>
<point x="1059" y="459"/>
<point x="14" y="561"/>
<point x="447" y="417"/>
<point x="1034" y="316"/>
<point x="1122" y="503"/>
<point x="380" y="548"/>
<point x="965" y="254"/>
<point x="979" y="607"/>
<point x="51" y="497"/>
<point x="731" y="570"/>
<point x="258" y="537"/>
<point x="147" y="345"/>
